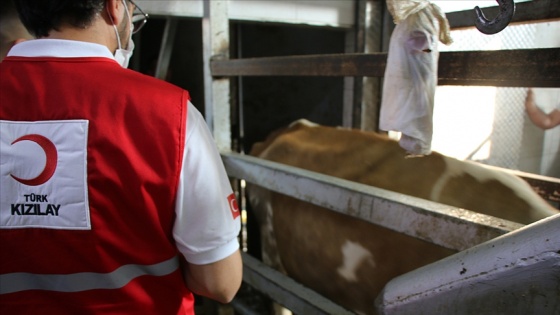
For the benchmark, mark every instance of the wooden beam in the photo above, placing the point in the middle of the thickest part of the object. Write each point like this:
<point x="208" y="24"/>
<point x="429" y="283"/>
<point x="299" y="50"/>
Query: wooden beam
<point x="514" y="68"/>
<point x="351" y="64"/>
<point x="532" y="11"/>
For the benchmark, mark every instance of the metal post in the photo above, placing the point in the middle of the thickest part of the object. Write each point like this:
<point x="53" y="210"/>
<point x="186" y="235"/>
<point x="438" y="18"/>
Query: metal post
<point x="215" y="32"/>
<point x="166" y="48"/>
<point x="371" y="87"/>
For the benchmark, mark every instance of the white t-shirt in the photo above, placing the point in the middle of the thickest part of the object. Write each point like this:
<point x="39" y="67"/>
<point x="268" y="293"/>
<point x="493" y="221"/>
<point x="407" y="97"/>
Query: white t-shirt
<point x="205" y="229"/>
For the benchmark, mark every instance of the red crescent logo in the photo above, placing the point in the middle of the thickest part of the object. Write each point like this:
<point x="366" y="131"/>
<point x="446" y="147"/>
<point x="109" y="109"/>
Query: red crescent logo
<point x="50" y="165"/>
<point x="233" y="206"/>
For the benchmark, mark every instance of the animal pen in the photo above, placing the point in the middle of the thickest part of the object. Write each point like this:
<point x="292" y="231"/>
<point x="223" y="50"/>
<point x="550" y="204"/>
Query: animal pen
<point x="488" y="246"/>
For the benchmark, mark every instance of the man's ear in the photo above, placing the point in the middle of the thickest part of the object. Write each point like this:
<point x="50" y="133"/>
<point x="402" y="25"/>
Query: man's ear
<point x="115" y="11"/>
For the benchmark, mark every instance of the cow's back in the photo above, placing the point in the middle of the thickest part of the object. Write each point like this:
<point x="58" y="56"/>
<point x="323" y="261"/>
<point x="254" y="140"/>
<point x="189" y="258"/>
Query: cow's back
<point x="374" y="159"/>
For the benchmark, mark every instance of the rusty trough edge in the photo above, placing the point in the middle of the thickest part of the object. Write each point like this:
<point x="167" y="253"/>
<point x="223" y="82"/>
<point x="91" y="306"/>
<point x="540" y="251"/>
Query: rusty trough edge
<point x="286" y="291"/>
<point x="517" y="273"/>
<point x="451" y="227"/>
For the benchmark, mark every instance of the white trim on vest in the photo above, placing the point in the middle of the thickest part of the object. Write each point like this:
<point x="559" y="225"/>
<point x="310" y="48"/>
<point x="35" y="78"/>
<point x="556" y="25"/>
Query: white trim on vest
<point x="84" y="281"/>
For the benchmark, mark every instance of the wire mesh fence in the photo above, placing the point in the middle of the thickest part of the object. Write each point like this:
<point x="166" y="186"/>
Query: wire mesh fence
<point x="497" y="127"/>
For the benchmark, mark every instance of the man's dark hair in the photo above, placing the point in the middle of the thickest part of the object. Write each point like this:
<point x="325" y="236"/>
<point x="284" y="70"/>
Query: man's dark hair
<point x="42" y="16"/>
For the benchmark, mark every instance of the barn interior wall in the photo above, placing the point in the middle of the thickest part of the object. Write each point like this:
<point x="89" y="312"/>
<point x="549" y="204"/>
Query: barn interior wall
<point x="270" y="103"/>
<point x="185" y="68"/>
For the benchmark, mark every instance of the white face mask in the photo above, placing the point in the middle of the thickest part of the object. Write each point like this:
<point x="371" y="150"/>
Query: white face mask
<point x="122" y="56"/>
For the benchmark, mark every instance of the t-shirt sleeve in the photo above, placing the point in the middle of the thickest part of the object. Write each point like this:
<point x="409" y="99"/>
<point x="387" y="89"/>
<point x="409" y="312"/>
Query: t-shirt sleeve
<point x="207" y="223"/>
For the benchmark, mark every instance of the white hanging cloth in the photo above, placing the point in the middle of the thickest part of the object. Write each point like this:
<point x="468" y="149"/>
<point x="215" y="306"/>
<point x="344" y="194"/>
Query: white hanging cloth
<point x="411" y="74"/>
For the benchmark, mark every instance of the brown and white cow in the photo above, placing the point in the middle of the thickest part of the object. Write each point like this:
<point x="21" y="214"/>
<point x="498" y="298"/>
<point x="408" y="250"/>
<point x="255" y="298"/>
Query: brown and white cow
<point x="349" y="260"/>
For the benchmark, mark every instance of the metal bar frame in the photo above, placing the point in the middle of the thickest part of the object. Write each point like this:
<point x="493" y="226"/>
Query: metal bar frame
<point x="286" y="291"/>
<point x="215" y="33"/>
<point x="450" y="227"/>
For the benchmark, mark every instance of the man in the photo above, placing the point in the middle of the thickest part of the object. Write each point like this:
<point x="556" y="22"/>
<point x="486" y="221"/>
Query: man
<point x="538" y="117"/>
<point x="114" y="199"/>
<point x="11" y="29"/>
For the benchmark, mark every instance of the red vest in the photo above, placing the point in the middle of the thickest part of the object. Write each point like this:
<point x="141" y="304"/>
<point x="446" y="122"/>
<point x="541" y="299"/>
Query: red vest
<point x="127" y="263"/>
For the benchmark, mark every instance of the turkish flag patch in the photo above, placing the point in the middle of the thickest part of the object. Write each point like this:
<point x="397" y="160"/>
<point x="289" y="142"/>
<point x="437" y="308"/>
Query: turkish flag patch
<point x="233" y="206"/>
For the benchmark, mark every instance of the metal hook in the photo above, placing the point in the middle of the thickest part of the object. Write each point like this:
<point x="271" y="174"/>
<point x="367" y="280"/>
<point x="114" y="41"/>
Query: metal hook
<point x="507" y="9"/>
